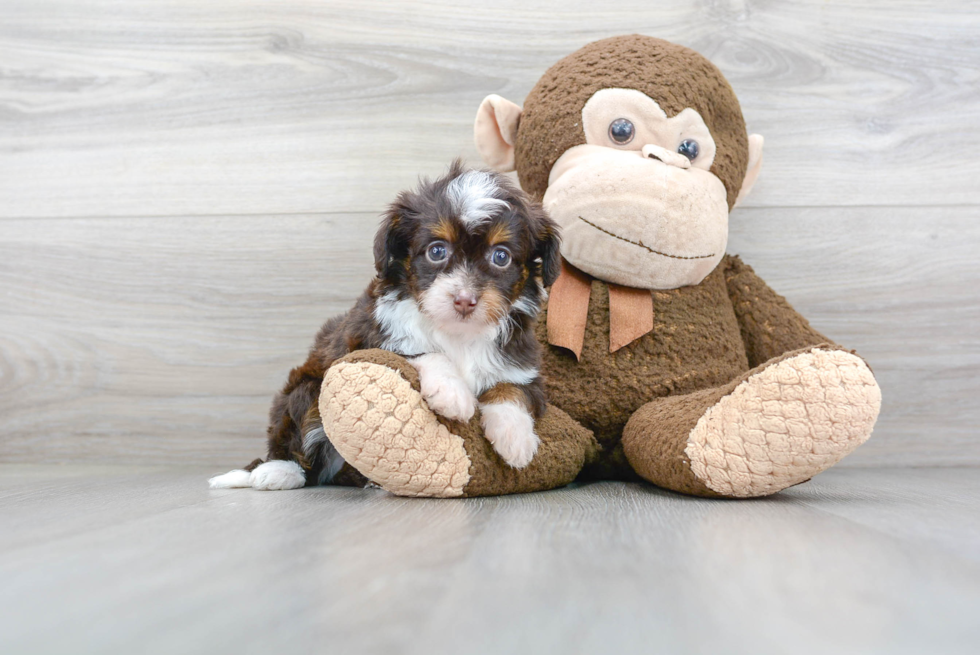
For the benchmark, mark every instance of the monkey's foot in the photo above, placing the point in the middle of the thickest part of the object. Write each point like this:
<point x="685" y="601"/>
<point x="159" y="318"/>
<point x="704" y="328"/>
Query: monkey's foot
<point x="776" y="426"/>
<point x="375" y="416"/>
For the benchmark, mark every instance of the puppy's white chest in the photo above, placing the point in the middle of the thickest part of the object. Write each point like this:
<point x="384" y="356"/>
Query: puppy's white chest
<point x="476" y="366"/>
<point x="477" y="360"/>
<point x="481" y="365"/>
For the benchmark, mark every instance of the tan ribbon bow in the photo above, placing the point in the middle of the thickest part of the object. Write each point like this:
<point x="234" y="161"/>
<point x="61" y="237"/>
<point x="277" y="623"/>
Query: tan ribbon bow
<point x="630" y="311"/>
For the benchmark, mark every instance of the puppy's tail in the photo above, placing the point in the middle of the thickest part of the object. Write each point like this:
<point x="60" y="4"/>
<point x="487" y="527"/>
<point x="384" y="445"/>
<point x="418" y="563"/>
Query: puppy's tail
<point x="319" y="464"/>
<point x="276" y="474"/>
<point x="322" y="456"/>
<point x="323" y="464"/>
<point x="237" y="479"/>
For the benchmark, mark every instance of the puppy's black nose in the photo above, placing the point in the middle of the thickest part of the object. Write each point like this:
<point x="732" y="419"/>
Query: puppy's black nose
<point x="465" y="302"/>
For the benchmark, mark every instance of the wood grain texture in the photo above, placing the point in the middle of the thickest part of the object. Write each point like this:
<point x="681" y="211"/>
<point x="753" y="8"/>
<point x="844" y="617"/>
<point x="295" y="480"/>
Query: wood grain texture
<point x="187" y="190"/>
<point x="120" y="108"/>
<point x="149" y="560"/>
<point x="162" y="340"/>
<point x="139" y="339"/>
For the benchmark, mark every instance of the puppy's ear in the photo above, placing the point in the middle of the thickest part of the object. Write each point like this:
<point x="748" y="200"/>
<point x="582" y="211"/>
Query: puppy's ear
<point x="547" y="244"/>
<point x="392" y="240"/>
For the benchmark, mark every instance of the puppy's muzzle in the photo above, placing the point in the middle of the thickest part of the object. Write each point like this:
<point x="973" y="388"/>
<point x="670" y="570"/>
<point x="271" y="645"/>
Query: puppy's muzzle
<point x="465" y="302"/>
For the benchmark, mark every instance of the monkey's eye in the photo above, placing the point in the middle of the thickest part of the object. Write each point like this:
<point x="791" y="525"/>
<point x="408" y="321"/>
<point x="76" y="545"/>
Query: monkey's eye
<point x="689" y="148"/>
<point x="500" y="257"/>
<point x="437" y="252"/>
<point x="621" y="131"/>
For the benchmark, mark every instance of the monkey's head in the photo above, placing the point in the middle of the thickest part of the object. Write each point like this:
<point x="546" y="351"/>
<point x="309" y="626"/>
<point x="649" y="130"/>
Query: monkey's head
<point x="637" y="148"/>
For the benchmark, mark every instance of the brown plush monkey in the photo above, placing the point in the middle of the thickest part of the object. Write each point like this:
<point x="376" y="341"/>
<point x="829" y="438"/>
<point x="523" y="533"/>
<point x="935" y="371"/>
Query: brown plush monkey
<point x="688" y="370"/>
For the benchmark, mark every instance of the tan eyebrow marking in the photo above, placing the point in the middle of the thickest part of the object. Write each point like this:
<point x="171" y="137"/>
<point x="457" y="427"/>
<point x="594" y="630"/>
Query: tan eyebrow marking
<point x="499" y="233"/>
<point x="445" y="230"/>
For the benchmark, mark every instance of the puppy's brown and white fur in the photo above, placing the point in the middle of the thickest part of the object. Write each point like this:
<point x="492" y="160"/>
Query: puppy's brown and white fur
<point x="462" y="264"/>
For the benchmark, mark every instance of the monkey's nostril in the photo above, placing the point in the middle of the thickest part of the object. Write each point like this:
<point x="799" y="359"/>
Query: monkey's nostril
<point x="664" y="156"/>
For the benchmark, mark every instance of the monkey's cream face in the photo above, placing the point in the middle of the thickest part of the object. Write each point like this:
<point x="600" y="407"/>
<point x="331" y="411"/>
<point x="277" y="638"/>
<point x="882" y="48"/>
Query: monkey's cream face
<point x="637" y="203"/>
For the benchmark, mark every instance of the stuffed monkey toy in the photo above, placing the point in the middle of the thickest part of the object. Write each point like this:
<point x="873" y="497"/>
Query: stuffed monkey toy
<point x="665" y="359"/>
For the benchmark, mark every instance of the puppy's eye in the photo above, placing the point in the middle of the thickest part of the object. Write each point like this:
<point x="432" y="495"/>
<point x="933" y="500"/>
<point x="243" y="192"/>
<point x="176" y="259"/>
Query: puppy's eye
<point x="500" y="257"/>
<point x="621" y="131"/>
<point x="689" y="148"/>
<point x="437" y="252"/>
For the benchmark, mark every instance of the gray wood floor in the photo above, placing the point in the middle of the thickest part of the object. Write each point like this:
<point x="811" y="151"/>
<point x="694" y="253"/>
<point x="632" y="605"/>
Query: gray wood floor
<point x="188" y="190"/>
<point x="111" y="560"/>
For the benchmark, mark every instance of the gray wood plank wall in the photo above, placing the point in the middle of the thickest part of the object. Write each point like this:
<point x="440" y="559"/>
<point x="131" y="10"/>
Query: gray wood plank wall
<point x="188" y="189"/>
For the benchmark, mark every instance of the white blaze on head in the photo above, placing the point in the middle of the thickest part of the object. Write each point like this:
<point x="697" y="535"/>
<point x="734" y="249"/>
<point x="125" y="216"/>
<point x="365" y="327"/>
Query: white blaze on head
<point x="474" y="196"/>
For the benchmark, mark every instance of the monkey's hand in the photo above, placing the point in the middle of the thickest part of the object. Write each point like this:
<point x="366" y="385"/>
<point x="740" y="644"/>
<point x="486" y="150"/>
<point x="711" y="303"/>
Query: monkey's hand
<point x="442" y="388"/>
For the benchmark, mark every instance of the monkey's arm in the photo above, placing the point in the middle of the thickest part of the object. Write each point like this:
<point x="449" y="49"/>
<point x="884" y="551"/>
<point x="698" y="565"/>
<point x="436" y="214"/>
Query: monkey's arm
<point x="769" y="325"/>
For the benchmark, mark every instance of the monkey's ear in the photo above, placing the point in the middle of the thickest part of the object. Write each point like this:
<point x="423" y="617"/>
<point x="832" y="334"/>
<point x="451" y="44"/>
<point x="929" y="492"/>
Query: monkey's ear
<point x="390" y="244"/>
<point x="495" y="132"/>
<point x="752" y="170"/>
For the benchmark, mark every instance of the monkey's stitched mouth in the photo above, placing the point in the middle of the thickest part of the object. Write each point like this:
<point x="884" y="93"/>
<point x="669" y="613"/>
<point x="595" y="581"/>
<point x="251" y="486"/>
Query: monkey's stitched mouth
<point x="641" y="244"/>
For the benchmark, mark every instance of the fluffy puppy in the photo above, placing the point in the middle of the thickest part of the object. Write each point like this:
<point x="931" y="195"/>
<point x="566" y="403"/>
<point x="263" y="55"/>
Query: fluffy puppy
<point x="462" y="263"/>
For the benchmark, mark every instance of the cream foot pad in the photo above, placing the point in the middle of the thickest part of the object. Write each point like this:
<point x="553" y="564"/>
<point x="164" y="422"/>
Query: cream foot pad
<point x="384" y="429"/>
<point x="785" y="424"/>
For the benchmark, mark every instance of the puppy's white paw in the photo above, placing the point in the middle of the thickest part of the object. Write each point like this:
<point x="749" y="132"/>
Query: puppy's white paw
<point x="442" y="388"/>
<point x="450" y="398"/>
<point x="237" y="479"/>
<point x="276" y="475"/>
<point x="510" y="428"/>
